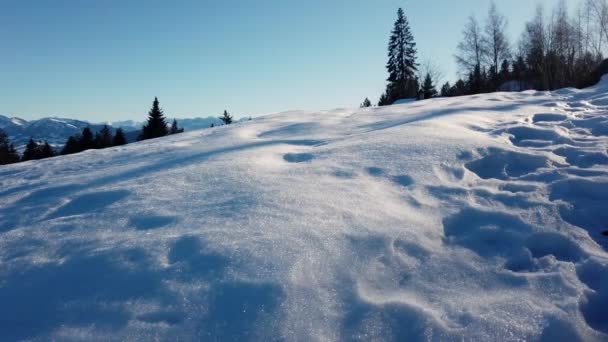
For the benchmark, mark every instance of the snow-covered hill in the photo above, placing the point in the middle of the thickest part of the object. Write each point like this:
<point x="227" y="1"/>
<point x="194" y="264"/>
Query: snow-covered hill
<point x="474" y="218"/>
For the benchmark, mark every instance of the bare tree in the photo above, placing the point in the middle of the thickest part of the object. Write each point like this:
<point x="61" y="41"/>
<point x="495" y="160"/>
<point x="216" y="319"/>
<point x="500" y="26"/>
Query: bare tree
<point x="495" y="42"/>
<point x="534" y="48"/>
<point x="471" y="48"/>
<point x="428" y="67"/>
<point x="562" y="48"/>
<point x="600" y="11"/>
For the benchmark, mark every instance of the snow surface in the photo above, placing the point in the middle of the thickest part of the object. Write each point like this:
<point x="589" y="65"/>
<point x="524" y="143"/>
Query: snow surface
<point x="474" y="218"/>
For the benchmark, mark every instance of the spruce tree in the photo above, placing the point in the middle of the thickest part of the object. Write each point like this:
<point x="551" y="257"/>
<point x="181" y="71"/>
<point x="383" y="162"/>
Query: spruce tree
<point x="3" y="138"/>
<point x="505" y="73"/>
<point x="460" y="88"/>
<point x="174" y="129"/>
<point x="72" y="145"/>
<point x="156" y="126"/>
<point x="226" y="118"/>
<point x="446" y="90"/>
<point x="31" y="151"/>
<point x="8" y="154"/>
<point x="366" y="103"/>
<point x="4" y="146"/>
<point x="103" y="138"/>
<point x="428" y="88"/>
<point x="477" y="81"/>
<point x="87" y="141"/>
<point x="119" y="138"/>
<point x="492" y="80"/>
<point x="401" y="64"/>
<point x="12" y="155"/>
<point x="520" y="72"/>
<point x="45" y="151"/>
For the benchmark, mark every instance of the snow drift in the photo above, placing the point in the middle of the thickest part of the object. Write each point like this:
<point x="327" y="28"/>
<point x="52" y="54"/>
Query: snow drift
<point x="477" y="218"/>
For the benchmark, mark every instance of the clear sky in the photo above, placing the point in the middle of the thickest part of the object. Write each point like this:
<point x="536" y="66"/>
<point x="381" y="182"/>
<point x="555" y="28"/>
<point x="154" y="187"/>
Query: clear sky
<point x="105" y="60"/>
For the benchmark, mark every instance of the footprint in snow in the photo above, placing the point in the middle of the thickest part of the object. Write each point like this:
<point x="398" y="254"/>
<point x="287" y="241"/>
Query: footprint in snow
<point x="402" y="180"/>
<point x="149" y="222"/>
<point x="298" y="157"/>
<point x="94" y="202"/>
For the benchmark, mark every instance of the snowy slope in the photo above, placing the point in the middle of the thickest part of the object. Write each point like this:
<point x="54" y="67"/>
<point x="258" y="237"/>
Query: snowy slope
<point x="475" y="218"/>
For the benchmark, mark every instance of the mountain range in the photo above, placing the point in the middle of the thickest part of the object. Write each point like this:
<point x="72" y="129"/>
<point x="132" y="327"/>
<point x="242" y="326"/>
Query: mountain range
<point x="56" y="130"/>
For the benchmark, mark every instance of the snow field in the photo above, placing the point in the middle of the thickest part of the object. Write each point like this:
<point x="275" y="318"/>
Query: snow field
<point x="477" y="218"/>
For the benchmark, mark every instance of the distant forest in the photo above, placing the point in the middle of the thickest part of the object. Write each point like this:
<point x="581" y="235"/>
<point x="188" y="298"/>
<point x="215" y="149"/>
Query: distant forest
<point x="554" y="51"/>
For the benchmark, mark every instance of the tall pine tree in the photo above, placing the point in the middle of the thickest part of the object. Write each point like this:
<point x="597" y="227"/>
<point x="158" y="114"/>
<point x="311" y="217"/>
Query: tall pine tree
<point x="12" y="155"/>
<point x="428" y="88"/>
<point x="505" y="72"/>
<point x="31" y="151"/>
<point x="401" y="65"/>
<point x="8" y="154"/>
<point x="119" y="138"/>
<point x="446" y="90"/>
<point x="156" y="126"/>
<point x="72" y="145"/>
<point x="103" y="138"/>
<point x="87" y="141"/>
<point x="45" y="151"/>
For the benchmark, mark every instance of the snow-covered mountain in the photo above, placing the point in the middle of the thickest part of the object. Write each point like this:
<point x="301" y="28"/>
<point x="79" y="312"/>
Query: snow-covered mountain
<point x="57" y="130"/>
<point x="479" y="218"/>
<point x="54" y="130"/>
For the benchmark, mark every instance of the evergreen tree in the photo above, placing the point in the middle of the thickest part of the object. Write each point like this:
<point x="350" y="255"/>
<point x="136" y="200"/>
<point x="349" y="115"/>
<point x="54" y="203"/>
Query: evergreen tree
<point x="366" y="103"/>
<point x="103" y="138"/>
<point x="119" y="138"/>
<point x="428" y="88"/>
<point x="87" y="141"/>
<point x="72" y="145"/>
<point x="492" y="81"/>
<point x="520" y="71"/>
<point x="477" y="81"/>
<point x="383" y="100"/>
<point x="8" y="154"/>
<point x="156" y="126"/>
<point x="12" y="155"/>
<point x="45" y="151"/>
<point x="401" y="64"/>
<point x="446" y="90"/>
<point x="3" y="138"/>
<point x="505" y="73"/>
<point x="460" y="88"/>
<point x="226" y="118"/>
<point x="174" y="129"/>
<point x="31" y="151"/>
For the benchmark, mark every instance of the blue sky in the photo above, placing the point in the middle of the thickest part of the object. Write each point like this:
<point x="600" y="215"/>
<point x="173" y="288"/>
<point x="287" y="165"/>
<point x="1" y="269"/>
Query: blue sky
<point x="105" y="60"/>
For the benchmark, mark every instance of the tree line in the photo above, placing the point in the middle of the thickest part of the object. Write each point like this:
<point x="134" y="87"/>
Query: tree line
<point x="156" y="126"/>
<point x="33" y="150"/>
<point x="562" y="51"/>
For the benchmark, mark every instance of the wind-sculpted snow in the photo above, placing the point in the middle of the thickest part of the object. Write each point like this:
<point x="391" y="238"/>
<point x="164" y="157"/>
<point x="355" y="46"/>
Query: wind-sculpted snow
<point x="477" y="218"/>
